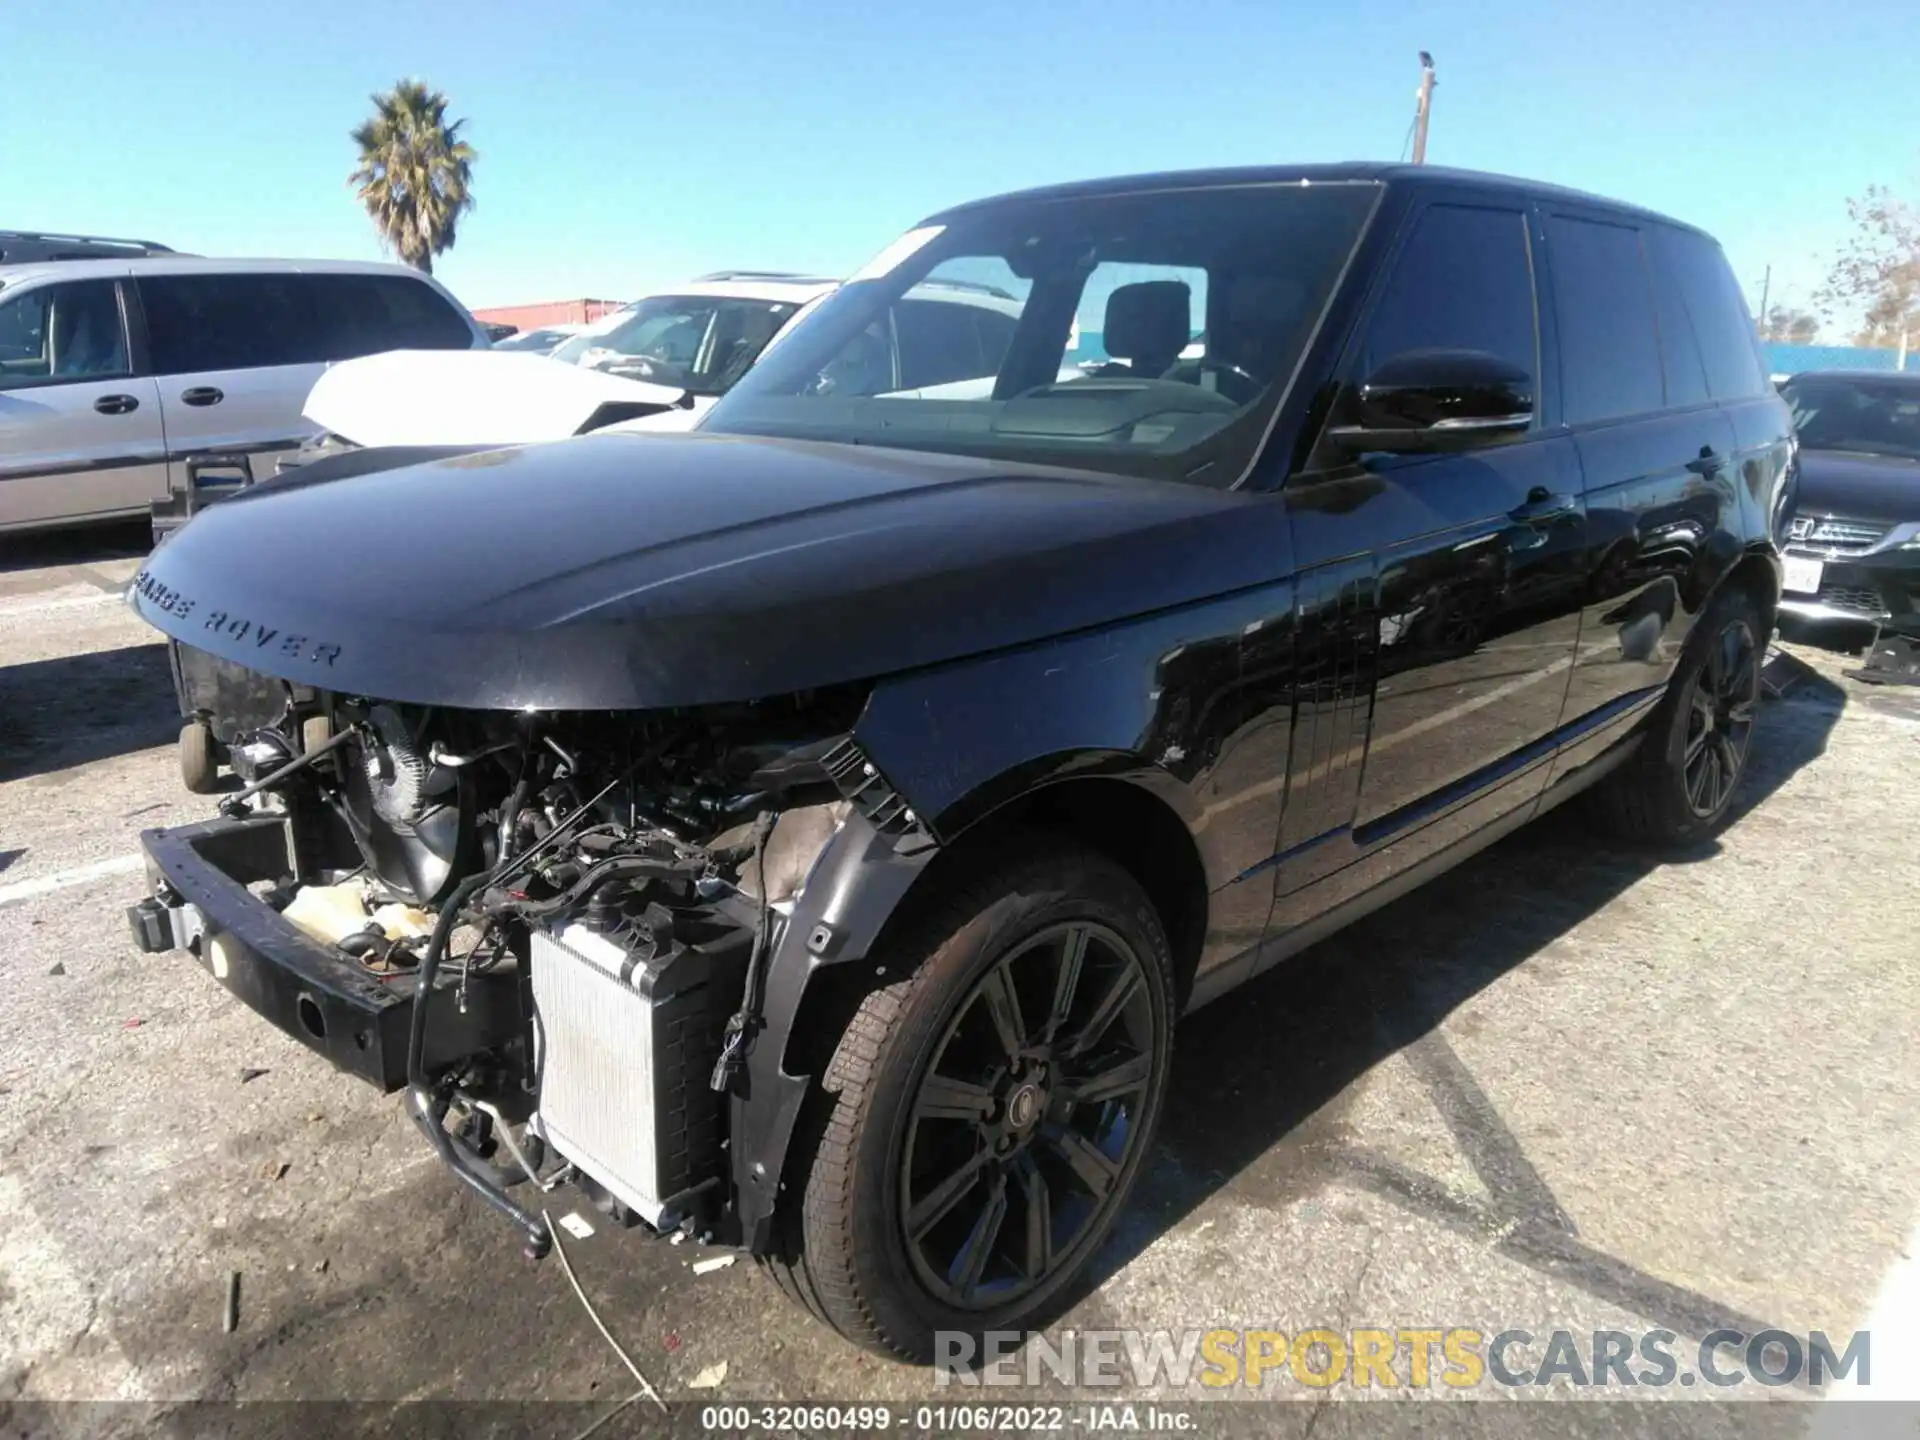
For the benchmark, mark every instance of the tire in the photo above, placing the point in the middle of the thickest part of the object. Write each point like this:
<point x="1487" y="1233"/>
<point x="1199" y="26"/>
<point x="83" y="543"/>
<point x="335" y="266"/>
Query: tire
<point x="1679" y="786"/>
<point x="199" y="758"/>
<point x="1042" y="1167"/>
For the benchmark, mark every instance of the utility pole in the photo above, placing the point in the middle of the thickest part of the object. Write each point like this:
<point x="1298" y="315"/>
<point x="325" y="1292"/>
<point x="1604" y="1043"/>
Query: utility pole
<point x="1423" y="100"/>
<point x="1766" y="288"/>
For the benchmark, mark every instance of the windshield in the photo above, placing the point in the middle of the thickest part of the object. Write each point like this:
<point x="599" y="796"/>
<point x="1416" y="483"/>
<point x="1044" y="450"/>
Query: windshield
<point x="1149" y="334"/>
<point x="700" y="343"/>
<point x="1868" y="416"/>
<point x="539" y="341"/>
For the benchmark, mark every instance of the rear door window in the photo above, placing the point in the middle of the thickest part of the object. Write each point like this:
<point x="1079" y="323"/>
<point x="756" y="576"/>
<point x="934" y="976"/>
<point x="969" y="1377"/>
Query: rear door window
<point x="1609" y="340"/>
<point x="199" y="323"/>
<point x="1463" y="281"/>
<point x="367" y="314"/>
<point x="1725" y="331"/>
<point x="56" y="333"/>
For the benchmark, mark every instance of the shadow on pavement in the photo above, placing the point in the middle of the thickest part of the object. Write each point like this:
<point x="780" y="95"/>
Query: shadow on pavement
<point x="80" y="708"/>
<point x="1261" y="1083"/>
<point x="119" y="541"/>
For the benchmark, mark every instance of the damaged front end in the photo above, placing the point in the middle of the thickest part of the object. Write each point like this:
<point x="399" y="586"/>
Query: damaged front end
<point x="556" y="932"/>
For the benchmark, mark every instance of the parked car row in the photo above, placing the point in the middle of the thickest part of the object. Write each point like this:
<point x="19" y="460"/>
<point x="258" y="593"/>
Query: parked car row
<point x="116" y="374"/>
<point x="656" y="365"/>
<point x="825" y="816"/>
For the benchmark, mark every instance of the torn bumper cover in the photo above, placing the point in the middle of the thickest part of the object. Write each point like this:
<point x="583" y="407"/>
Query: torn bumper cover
<point x="326" y="1000"/>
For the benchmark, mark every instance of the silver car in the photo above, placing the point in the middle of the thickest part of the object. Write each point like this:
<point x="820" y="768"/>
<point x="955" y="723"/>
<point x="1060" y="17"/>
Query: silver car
<point x="116" y="374"/>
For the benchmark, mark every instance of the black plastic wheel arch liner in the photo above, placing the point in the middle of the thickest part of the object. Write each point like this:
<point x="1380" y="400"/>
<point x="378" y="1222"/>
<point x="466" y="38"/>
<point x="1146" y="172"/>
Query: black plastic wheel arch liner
<point x="856" y="883"/>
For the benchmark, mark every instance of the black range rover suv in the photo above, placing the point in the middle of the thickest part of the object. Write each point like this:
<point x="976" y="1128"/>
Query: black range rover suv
<point x="828" y="814"/>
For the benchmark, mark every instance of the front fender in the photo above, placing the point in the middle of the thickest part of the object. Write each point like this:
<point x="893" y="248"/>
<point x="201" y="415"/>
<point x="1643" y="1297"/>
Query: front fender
<point x="1161" y="695"/>
<point x="856" y="882"/>
<point x="1159" y="699"/>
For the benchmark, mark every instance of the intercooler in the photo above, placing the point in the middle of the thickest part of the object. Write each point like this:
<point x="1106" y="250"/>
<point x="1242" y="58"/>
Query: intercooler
<point x="626" y="1045"/>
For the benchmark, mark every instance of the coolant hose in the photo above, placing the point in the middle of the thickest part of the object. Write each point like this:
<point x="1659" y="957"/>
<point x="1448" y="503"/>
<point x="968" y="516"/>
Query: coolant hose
<point x="427" y="1110"/>
<point x="443" y="927"/>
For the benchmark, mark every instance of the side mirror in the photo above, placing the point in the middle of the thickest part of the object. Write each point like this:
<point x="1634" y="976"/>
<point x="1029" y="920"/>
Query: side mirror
<point x="1436" y="402"/>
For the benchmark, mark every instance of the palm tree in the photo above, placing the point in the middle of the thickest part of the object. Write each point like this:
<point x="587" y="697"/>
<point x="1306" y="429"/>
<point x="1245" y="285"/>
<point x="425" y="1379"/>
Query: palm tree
<point x="415" y="174"/>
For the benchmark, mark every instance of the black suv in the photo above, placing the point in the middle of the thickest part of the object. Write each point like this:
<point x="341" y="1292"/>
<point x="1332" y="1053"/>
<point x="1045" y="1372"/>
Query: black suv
<point x="828" y="814"/>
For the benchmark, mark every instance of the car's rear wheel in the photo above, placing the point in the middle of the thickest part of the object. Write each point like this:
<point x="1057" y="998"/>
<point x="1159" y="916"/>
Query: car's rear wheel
<point x="1679" y="786"/>
<point x="986" y="1115"/>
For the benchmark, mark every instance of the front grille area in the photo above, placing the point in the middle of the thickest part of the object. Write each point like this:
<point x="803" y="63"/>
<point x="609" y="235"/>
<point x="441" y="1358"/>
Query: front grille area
<point x="1855" y="599"/>
<point x="1836" y="535"/>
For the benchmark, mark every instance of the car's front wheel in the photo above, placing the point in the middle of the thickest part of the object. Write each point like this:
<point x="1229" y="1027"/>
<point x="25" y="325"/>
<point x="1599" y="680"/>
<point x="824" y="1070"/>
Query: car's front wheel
<point x="987" y="1113"/>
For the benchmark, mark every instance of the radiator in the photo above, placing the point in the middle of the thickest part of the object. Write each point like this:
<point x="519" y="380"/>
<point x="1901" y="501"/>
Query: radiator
<point x="625" y="1051"/>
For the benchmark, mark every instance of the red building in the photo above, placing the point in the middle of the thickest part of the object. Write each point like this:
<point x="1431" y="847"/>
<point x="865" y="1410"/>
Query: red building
<point x="546" y="312"/>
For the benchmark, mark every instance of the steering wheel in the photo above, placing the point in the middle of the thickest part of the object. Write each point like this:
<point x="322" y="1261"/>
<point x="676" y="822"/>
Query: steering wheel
<point x="1244" y="387"/>
<point x="1246" y="378"/>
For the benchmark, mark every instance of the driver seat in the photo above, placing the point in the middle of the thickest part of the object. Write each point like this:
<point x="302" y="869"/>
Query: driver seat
<point x="1148" y="324"/>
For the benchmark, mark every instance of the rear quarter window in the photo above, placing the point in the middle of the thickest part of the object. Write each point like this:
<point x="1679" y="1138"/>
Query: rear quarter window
<point x="1698" y="270"/>
<point x="366" y="314"/>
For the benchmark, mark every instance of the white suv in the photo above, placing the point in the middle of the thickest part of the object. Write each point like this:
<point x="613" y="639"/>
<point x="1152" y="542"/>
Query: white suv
<point x="115" y="374"/>
<point x="657" y="364"/>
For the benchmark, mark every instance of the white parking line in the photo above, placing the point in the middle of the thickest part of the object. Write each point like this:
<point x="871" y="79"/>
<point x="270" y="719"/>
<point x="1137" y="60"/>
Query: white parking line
<point x="61" y="879"/>
<point x="10" y="609"/>
<point x="1894" y="1327"/>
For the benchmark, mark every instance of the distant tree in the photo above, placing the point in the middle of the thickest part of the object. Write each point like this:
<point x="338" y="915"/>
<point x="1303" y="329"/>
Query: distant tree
<point x="1877" y="274"/>
<point x="415" y="174"/>
<point x="1784" y="323"/>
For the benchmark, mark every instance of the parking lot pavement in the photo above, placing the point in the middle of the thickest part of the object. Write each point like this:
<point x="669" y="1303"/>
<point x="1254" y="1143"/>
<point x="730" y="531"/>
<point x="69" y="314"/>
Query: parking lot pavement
<point x="1565" y="1087"/>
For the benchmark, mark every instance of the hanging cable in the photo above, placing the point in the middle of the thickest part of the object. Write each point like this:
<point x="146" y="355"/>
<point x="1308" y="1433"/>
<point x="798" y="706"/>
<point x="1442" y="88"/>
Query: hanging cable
<point x="594" y="1315"/>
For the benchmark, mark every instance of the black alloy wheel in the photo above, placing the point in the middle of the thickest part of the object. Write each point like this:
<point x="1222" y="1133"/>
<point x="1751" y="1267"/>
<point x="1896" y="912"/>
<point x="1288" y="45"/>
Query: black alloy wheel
<point x="1720" y="719"/>
<point x="988" y="1108"/>
<point x="1026" y="1116"/>
<point x="1677" y="786"/>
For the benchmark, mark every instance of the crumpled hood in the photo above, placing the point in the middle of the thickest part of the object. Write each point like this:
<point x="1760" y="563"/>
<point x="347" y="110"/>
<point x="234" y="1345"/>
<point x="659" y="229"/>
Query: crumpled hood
<point x="1859" y="487"/>
<point x="473" y="397"/>
<point x="644" y="571"/>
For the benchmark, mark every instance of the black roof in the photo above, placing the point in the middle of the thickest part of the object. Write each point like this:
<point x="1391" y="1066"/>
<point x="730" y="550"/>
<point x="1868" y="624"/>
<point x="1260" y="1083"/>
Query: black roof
<point x="1374" y="171"/>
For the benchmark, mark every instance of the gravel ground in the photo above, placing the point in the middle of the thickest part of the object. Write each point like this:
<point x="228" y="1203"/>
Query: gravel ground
<point x="1562" y="1088"/>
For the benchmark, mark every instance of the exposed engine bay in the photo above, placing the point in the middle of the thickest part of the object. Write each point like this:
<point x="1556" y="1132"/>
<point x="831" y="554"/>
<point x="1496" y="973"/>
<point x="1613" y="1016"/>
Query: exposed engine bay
<point x="575" y="912"/>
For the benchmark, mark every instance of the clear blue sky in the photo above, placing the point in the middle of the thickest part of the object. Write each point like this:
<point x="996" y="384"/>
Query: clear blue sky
<point x="626" y="145"/>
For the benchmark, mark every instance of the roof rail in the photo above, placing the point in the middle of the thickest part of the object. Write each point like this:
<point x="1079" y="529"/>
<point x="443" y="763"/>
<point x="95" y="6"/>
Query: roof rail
<point x="57" y="245"/>
<point x="793" y="275"/>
